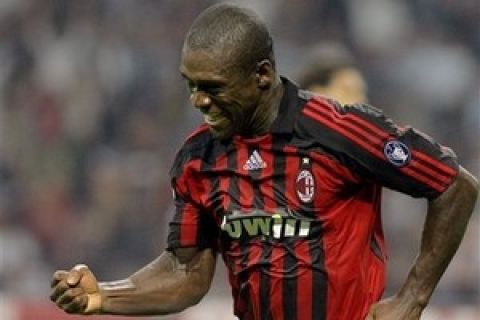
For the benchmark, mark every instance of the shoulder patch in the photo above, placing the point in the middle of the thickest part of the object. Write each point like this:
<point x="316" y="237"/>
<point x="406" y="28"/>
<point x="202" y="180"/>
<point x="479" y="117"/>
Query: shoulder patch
<point x="397" y="153"/>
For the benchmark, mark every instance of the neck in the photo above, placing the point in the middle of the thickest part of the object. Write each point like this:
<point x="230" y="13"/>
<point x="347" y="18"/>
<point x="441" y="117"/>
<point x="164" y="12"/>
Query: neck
<point x="267" y="110"/>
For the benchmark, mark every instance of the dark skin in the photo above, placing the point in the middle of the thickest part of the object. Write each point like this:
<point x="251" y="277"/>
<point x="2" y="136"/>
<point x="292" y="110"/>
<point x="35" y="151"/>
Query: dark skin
<point x="179" y="279"/>
<point x="244" y="104"/>
<point x="445" y="225"/>
<point x="169" y="284"/>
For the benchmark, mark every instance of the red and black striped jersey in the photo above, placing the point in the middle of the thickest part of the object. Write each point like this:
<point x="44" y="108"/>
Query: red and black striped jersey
<point x="295" y="213"/>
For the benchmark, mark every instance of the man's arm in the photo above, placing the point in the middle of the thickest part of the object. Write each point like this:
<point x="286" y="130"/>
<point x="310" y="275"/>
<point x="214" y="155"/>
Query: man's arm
<point x="445" y="225"/>
<point x="169" y="284"/>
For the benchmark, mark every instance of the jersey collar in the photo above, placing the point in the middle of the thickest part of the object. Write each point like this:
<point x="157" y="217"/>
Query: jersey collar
<point x="289" y="108"/>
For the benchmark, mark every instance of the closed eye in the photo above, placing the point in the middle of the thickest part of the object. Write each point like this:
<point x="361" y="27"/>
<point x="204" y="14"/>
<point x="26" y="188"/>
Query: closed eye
<point x="211" y="87"/>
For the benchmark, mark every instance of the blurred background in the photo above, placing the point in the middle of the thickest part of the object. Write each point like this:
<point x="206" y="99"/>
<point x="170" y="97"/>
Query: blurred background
<point x="92" y="110"/>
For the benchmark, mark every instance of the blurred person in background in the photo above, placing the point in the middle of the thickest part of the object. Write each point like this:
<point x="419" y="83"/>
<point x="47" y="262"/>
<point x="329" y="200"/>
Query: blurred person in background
<point x="286" y="186"/>
<point x="330" y="70"/>
<point x="22" y="264"/>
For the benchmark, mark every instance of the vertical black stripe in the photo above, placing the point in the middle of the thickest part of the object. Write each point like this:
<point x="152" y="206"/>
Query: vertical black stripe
<point x="317" y="257"/>
<point x="319" y="278"/>
<point x="233" y="190"/>
<point x="209" y="167"/>
<point x="264" y="281"/>
<point x="174" y="232"/>
<point x="290" y="286"/>
<point x="265" y="294"/>
<point x="215" y="196"/>
<point x="206" y="230"/>
<point x="235" y="194"/>
<point x="258" y="201"/>
<point x="279" y="172"/>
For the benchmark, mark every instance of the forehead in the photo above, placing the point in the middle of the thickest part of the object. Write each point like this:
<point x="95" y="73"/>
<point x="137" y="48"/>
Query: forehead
<point x="204" y="64"/>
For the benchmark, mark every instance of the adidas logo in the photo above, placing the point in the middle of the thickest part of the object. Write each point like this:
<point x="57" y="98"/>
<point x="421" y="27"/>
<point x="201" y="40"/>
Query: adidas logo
<point x="255" y="162"/>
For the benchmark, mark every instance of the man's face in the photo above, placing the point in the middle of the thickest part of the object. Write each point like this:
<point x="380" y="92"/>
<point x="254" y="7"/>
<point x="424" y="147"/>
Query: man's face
<point x="226" y="97"/>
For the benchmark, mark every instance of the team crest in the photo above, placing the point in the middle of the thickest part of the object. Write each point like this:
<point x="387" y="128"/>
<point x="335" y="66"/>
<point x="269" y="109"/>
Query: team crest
<point x="397" y="153"/>
<point x="305" y="186"/>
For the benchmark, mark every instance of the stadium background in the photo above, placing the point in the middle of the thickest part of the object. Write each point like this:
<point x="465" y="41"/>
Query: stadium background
<point x="92" y="109"/>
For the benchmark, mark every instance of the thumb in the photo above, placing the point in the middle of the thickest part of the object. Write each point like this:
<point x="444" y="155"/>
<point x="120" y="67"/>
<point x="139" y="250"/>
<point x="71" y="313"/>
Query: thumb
<point x="73" y="278"/>
<point x="86" y="279"/>
<point x="76" y="274"/>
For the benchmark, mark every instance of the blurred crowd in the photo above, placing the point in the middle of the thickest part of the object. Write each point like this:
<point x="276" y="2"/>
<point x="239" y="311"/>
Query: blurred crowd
<point x="92" y="110"/>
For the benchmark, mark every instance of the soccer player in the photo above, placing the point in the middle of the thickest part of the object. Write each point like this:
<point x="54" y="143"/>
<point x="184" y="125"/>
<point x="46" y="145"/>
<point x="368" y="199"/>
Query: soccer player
<point x="286" y="187"/>
<point x="331" y="70"/>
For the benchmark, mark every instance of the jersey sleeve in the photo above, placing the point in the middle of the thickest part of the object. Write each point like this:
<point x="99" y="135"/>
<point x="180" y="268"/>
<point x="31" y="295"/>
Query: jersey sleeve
<point x="190" y="226"/>
<point x="373" y="146"/>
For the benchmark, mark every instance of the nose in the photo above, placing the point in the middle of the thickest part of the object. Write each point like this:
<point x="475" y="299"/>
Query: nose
<point x="200" y="100"/>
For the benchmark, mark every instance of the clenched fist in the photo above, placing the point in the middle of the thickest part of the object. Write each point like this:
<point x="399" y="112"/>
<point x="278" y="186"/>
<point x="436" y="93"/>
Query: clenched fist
<point x="395" y="308"/>
<point x="76" y="291"/>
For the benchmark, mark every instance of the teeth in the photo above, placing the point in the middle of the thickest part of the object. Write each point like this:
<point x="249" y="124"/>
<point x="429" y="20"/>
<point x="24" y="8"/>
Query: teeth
<point x="212" y="119"/>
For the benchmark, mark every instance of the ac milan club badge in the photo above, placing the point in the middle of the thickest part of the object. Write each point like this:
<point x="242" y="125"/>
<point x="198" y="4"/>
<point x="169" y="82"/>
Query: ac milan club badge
<point x="305" y="186"/>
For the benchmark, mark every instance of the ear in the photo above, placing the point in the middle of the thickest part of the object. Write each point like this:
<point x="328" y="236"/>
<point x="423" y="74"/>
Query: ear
<point x="264" y="74"/>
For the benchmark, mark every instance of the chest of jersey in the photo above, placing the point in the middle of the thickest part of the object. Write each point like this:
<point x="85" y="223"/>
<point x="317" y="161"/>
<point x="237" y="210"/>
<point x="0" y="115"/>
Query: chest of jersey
<point x="261" y="188"/>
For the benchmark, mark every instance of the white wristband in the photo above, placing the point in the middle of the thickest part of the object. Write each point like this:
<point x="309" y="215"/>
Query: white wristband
<point x="94" y="304"/>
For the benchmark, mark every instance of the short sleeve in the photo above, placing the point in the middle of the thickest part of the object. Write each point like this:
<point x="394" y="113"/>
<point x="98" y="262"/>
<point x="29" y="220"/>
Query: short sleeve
<point x="373" y="146"/>
<point x="191" y="225"/>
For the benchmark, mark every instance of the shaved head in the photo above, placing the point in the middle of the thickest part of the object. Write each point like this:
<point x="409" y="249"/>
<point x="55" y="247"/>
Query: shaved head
<point x="235" y="35"/>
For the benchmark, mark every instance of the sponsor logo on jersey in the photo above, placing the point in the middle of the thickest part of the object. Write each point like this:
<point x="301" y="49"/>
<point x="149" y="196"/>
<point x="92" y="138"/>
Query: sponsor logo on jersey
<point x="397" y="153"/>
<point x="254" y="162"/>
<point x="280" y="224"/>
<point x="305" y="186"/>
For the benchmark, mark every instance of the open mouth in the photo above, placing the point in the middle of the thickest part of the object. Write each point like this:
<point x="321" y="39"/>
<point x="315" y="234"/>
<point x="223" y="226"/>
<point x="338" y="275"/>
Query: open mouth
<point x="214" y="120"/>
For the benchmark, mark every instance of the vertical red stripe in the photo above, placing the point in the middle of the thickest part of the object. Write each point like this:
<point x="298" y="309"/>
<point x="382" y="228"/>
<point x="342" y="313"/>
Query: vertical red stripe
<point x="224" y="183"/>
<point x="255" y="294"/>
<point x="253" y="251"/>
<point x="305" y="281"/>
<point x="277" y="282"/>
<point x="254" y="256"/>
<point x="278" y="252"/>
<point x="188" y="229"/>
<point x="190" y="219"/>
<point x="233" y="261"/>
<point x="195" y="187"/>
